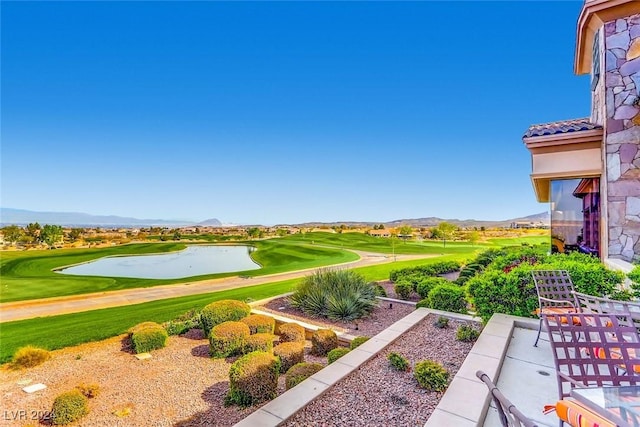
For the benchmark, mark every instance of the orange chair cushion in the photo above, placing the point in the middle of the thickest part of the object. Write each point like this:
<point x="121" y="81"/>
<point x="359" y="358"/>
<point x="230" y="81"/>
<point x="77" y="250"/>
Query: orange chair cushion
<point x="616" y="353"/>
<point x="577" y="415"/>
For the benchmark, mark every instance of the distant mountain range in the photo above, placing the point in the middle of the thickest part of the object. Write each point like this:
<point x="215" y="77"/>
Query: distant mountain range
<point x="77" y="219"/>
<point x="10" y="216"/>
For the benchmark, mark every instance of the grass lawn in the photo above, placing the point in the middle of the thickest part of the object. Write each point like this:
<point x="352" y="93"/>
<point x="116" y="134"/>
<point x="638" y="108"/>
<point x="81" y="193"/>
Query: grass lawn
<point x="29" y="274"/>
<point x="72" y="329"/>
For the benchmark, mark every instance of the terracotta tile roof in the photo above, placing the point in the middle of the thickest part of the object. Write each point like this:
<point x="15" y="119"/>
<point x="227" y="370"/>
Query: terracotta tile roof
<point x="564" y="126"/>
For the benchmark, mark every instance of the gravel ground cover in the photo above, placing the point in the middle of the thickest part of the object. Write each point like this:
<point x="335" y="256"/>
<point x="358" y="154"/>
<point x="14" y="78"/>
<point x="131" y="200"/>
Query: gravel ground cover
<point x="180" y="385"/>
<point x="397" y="400"/>
<point x="380" y="318"/>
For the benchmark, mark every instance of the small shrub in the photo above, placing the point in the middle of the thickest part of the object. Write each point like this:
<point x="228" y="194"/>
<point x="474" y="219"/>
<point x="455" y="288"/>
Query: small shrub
<point x="88" y="390"/>
<point x="467" y="333"/>
<point x="69" y="407"/>
<point x="431" y="375"/>
<point x="300" y="372"/>
<point x="336" y="354"/>
<point x="222" y="311"/>
<point x="403" y="289"/>
<point x="140" y="326"/>
<point x="183" y="323"/>
<point x="260" y="323"/>
<point x="358" y="341"/>
<point x="441" y="323"/>
<point x="149" y="337"/>
<point x="323" y="341"/>
<point x="448" y="298"/>
<point x="259" y="342"/>
<point x="290" y="353"/>
<point x="428" y="283"/>
<point x="423" y="303"/>
<point x="398" y="362"/>
<point x="292" y="332"/>
<point x="336" y="294"/>
<point x="228" y="339"/>
<point x="253" y="379"/>
<point x="379" y="290"/>
<point x="30" y="356"/>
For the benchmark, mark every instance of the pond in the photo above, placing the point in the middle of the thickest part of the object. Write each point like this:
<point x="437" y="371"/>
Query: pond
<point x="193" y="261"/>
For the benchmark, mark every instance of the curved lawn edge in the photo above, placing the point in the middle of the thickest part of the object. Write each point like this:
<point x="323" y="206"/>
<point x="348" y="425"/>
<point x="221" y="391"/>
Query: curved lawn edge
<point x="66" y="330"/>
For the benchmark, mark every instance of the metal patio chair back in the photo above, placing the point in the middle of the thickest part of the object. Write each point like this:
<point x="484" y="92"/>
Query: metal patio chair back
<point x="556" y="294"/>
<point x="593" y="304"/>
<point x="597" y="350"/>
<point x="510" y="416"/>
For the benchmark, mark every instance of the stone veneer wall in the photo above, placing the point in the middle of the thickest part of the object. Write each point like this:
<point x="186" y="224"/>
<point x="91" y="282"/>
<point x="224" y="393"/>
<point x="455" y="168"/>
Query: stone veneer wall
<point x="622" y="136"/>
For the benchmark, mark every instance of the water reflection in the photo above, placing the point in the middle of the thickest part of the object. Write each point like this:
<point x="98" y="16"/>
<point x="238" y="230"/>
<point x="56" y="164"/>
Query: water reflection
<point x="193" y="261"/>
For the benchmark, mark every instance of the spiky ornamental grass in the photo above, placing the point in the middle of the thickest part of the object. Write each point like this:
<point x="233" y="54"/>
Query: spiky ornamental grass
<point x="336" y="294"/>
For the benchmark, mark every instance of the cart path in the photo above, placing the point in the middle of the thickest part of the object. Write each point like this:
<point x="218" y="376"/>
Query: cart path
<point x="20" y="310"/>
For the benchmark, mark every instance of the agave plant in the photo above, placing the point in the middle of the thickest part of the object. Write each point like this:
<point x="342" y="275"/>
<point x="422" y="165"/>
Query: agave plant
<point x="336" y="294"/>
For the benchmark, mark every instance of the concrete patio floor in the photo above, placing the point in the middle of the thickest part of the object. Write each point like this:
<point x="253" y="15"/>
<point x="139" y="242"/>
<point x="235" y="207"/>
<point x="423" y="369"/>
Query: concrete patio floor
<point x="527" y="378"/>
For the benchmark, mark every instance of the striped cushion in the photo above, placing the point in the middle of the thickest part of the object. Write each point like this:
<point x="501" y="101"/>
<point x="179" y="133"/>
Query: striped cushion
<point x="576" y="415"/>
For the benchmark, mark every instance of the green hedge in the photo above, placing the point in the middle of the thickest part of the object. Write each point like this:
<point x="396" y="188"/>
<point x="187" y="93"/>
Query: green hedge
<point x="426" y="270"/>
<point x="148" y="336"/>
<point x="447" y="297"/>
<point x="222" y="311"/>
<point x="253" y="379"/>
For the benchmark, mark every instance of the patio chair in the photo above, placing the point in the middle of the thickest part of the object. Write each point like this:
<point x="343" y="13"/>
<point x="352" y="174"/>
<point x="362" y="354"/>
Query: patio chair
<point x="593" y="304"/>
<point x="556" y="295"/>
<point x="598" y="350"/>
<point x="509" y="415"/>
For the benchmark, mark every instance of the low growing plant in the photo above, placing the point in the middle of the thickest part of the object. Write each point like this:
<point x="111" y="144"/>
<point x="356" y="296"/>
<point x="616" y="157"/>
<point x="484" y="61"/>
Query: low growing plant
<point x="323" y="341"/>
<point x="398" y="362"/>
<point x="258" y="342"/>
<point x="228" y="339"/>
<point x="431" y="375"/>
<point x="148" y="336"/>
<point x="291" y="332"/>
<point x="336" y="354"/>
<point x="300" y="372"/>
<point x="447" y="297"/>
<point x="336" y="294"/>
<point x="30" y="356"/>
<point x="403" y="289"/>
<point x="253" y="379"/>
<point x="222" y="311"/>
<point x="441" y="323"/>
<point x="69" y="407"/>
<point x="358" y="341"/>
<point x="260" y="323"/>
<point x="467" y="333"/>
<point x="290" y="353"/>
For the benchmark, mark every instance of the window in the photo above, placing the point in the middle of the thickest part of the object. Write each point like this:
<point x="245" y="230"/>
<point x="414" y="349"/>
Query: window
<point x="575" y="215"/>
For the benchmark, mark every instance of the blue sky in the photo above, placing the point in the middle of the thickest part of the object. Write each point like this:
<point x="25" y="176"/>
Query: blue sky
<point x="282" y="112"/>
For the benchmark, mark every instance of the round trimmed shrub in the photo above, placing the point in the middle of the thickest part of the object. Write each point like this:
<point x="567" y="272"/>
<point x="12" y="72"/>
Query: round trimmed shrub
<point x="323" y="341"/>
<point x="292" y="332"/>
<point x="336" y="354"/>
<point x="228" y="339"/>
<point x="290" y="353"/>
<point x="448" y="298"/>
<point x="69" y="407"/>
<point x="260" y="323"/>
<point x="222" y="311"/>
<point x="431" y="375"/>
<point x="259" y="342"/>
<point x="403" y="288"/>
<point x="300" y="372"/>
<point x="148" y="336"/>
<point x="428" y="283"/>
<point x="140" y="326"/>
<point x="398" y="362"/>
<point x="358" y="341"/>
<point x="253" y="379"/>
<point x="30" y="356"/>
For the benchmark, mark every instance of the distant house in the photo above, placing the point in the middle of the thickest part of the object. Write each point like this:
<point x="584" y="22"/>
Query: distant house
<point x="380" y="233"/>
<point x="588" y="169"/>
<point x="528" y="224"/>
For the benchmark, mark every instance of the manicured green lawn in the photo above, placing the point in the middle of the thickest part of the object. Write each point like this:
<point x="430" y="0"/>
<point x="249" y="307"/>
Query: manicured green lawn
<point x="72" y="329"/>
<point x="28" y="275"/>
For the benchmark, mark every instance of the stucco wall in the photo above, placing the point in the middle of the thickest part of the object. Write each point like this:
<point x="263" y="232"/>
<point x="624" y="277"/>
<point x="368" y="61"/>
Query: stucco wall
<point x="622" y="136"/>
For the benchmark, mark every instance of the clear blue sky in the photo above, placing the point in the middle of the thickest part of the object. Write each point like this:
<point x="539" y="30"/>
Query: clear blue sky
<point x="282" y="112"/>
